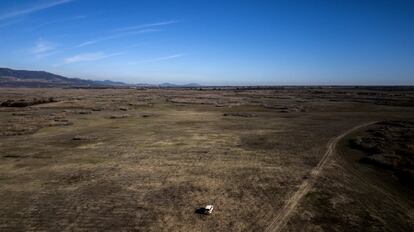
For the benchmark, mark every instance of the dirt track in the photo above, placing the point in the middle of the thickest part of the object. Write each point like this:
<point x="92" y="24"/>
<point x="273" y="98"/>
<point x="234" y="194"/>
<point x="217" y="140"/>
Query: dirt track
<point x="285" y="213"/>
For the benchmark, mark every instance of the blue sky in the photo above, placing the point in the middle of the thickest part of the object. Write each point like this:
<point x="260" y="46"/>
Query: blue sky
<point x="213" y="42"/>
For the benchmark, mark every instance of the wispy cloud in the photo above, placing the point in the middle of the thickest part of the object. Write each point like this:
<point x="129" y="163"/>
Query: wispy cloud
<point x="46" y="54"/>
<point x="64" y="20"/>
<point x="170" y="57"/>
<point x="32" y="9"/>
<point x="148" y="25"/>
<point x="43" y="48"/>
<point x="9" y="23"/>
<point x="89" y="57"/>
<point x="116" y="36"/>
<point x="128" y="31"/>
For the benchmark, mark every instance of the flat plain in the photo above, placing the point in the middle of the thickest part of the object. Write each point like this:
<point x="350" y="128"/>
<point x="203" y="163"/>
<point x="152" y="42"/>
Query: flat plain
<point x="268" y="159"/>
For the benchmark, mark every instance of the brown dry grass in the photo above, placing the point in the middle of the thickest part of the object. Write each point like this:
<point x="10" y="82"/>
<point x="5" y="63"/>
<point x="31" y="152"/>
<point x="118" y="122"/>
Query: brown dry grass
<point x="174" y="153"/>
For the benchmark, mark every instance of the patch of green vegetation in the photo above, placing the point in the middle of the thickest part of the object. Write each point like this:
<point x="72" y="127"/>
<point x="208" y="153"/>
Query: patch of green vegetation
<point x="3" y="178"/>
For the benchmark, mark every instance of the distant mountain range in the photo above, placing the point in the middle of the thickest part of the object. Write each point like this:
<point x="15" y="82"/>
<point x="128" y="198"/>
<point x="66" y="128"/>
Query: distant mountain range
<point x="25" y="78"/>
<point x="175" y="85"/>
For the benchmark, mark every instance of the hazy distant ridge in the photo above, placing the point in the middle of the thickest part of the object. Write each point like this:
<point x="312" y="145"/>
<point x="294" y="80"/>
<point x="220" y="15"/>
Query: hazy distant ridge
<point x="26" y="78"/>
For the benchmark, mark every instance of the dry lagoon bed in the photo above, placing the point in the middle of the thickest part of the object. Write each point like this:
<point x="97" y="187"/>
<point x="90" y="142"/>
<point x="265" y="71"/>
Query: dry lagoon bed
<point x="147" y="159"/>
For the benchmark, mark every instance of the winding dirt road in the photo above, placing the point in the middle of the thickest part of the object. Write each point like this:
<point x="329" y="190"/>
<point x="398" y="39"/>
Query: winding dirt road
<point x="285" y="213"/>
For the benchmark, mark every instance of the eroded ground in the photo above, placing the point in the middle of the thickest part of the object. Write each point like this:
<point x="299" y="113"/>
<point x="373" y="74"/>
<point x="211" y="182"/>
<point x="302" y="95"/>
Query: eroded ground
<point x="145" y="160"/>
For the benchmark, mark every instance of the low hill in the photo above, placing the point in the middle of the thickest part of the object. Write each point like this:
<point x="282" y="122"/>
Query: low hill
<point x="170" y="85"/>
<point x="25" y="78"/>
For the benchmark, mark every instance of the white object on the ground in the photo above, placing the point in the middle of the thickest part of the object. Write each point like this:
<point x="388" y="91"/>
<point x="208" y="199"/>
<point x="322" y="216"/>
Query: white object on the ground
<point x="208" y="209"/>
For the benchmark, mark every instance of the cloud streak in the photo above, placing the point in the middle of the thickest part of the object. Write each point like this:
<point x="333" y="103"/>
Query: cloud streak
<point x="32" y="9"/>
<point x="64" y="20"/>
<point x="149" y="25"/>
<point x="43" y="48"/>
<point x="9" y="23"/>
<point x="128" y="31"/>
<point x="84" y="57"/>
<point x="170" y="57"/>
<point x="116" y="36"/>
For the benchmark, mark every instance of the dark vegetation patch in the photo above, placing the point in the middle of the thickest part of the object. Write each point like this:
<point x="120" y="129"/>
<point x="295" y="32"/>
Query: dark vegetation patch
<point x="285" y="108"/>
<point x="29" y="122"/>
<point x="83" y="138"/>
<point x="15" y="156"/>
<point x="389" y="146"/>
<point x="26" y="102"/>
<point x="84" y="112"/>
<point x="20" y="114"/>
<point x="13" y="130"/>
<point x="119" y="116"/>
<point x="241" y="114"/>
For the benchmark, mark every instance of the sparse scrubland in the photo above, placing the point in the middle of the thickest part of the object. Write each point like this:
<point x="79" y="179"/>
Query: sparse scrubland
<point x="147" y="159"/>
